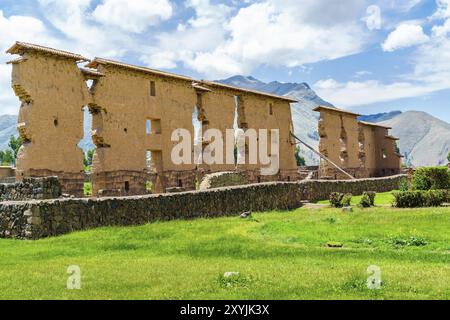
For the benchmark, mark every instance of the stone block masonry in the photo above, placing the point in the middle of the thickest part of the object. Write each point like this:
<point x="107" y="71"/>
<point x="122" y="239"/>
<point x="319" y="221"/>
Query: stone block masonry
<point x="37" y="219"/>
<point x="31" y="188"/>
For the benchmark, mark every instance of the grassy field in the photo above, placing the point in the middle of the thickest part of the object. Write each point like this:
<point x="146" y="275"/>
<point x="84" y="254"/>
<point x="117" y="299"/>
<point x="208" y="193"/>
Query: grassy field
<point x="279" y="255"/>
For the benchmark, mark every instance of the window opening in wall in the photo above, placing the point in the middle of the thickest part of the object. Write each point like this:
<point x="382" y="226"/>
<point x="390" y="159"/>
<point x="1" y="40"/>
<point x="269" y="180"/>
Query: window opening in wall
<point x="148" y="126"/>
<point x="383" y="152"/>
<point x="127" y="186"/>
<point x="125" y="130"/>
<point x="148" y="159"/>
<point x="55" y="122"/>
<point x="236" y="126"/>
<point x="152" y="88"/>
<point x="156" y="126"/>
<point x="180" y="183"/>
<point x="271" y="109"/>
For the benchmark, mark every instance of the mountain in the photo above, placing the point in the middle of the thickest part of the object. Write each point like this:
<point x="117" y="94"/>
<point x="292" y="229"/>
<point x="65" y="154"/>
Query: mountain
<point x="424" y="139"/>
<point x="8" y="125"/>
<point x="304" y="118"/>
<point x="380" y="116"/>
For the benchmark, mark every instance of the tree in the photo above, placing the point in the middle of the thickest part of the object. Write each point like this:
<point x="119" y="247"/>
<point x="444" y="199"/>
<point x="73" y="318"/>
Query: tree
<point x="88" y="157"/>
<point x="15" y="144"/>
<point x="7" y="157"/>
<point x="300" y="160"/>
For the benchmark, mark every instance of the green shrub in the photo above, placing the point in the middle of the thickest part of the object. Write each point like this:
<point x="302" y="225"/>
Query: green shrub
<point x="431" y="178"/>
<point x="404" y="185"/>
<point x="435" y="198"/>
<point x="365" y="201"/>
<point x="347" y="200"/>
<point x="336" y="199"/>
<point x="420" y="198"/>
<point x="408" y="199"/>
<point x="413" y="241"/>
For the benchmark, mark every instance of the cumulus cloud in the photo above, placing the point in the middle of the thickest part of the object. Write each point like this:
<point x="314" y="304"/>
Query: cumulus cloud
<point x="220" y="41"/>
<point x="17" y="28"/>
<point x="373" y="18"/>
<point x="431" y="73"/>
<point x="133" y="16"/>
<point x="352" y="94"/>
<point x="404" y="36"/>
<point x="443" y="10"/>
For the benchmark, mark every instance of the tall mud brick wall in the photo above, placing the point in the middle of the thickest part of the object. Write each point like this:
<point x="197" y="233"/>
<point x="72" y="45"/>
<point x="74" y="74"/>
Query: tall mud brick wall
<point x="52" y="93"/>
<point x="136" y="112"/>
<point x="361" y="148"/>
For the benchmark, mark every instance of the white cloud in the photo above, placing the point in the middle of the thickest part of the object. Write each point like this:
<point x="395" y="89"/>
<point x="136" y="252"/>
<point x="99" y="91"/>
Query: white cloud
<point x="362" y="73"/>
<point x="17" y="28"/>
<point x="373" y="18"/>
<point x="134" y="16"/>
<point x="404" y="36"/>
<point x="431" y="73"/>
<point x="443" y="10"/>
<point x="206" y="13"/>
<point x="220" y="41"/>
<point x="352" y="94"/>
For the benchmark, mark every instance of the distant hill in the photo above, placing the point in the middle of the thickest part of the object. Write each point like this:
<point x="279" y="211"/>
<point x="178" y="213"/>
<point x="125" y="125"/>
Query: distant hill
<point x="380" y="116"/>
<point x="424" y="139"/>
<point x="8" y="125"/>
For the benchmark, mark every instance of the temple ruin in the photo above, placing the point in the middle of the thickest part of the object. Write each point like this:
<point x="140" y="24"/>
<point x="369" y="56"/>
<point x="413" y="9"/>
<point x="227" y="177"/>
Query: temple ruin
<point x="361" y="148"/>
<point x="135" y="111"/>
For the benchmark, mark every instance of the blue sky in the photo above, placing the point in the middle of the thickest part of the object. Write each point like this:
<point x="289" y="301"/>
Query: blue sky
<point x="366" y="56"/>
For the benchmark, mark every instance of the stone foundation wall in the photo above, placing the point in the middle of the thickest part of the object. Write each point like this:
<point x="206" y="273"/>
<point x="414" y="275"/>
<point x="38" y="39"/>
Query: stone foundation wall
<point x="71" y="183"/>
<point x="331" y="173"/>
<point x="38" y="219"/>
<point x="119" y="183"/>
<point x="31" y="188"/>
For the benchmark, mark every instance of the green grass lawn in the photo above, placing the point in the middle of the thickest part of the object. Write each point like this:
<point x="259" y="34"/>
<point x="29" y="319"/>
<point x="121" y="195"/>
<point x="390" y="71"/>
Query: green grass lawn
<point x="381" y="199"/>
<point x="279" y="255"/>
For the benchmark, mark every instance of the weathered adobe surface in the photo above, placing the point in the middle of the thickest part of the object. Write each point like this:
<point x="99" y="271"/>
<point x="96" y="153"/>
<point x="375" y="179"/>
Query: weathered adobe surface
<point x="168" y="103"/>
<point x="122" y="99"/>
<point x="50" y="118"/>
<point x="38" y="219"/>
<point x="362" y="149"/>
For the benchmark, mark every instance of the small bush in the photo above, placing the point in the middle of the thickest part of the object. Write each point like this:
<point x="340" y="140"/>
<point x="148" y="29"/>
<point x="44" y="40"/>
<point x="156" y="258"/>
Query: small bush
<point x="404" y="185"/>
<point x="367" y="199"/>
<point x="347" y="200"/>
<point x="336" y="199"/>
<point x="435" y="198"/>
<point x="431" y="178"/>
<point x="419" y="198"/>
<point x="413" y="241"/>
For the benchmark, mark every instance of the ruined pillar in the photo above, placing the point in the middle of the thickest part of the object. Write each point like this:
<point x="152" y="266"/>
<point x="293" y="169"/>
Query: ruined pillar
<point x="52" y="92"/>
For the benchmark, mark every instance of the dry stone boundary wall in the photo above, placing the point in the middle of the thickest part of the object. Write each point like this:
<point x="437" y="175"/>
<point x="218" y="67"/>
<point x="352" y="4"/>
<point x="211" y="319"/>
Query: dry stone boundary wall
<point x="37" y="219"/>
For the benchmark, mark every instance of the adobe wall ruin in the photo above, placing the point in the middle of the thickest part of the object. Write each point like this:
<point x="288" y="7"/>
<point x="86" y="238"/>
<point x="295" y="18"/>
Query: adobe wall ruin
<point x="361" y="148"/>
<point x="125" y="102"/>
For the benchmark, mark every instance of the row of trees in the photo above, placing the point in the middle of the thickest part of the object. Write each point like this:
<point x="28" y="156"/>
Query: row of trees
<point x="9" y="156"/>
